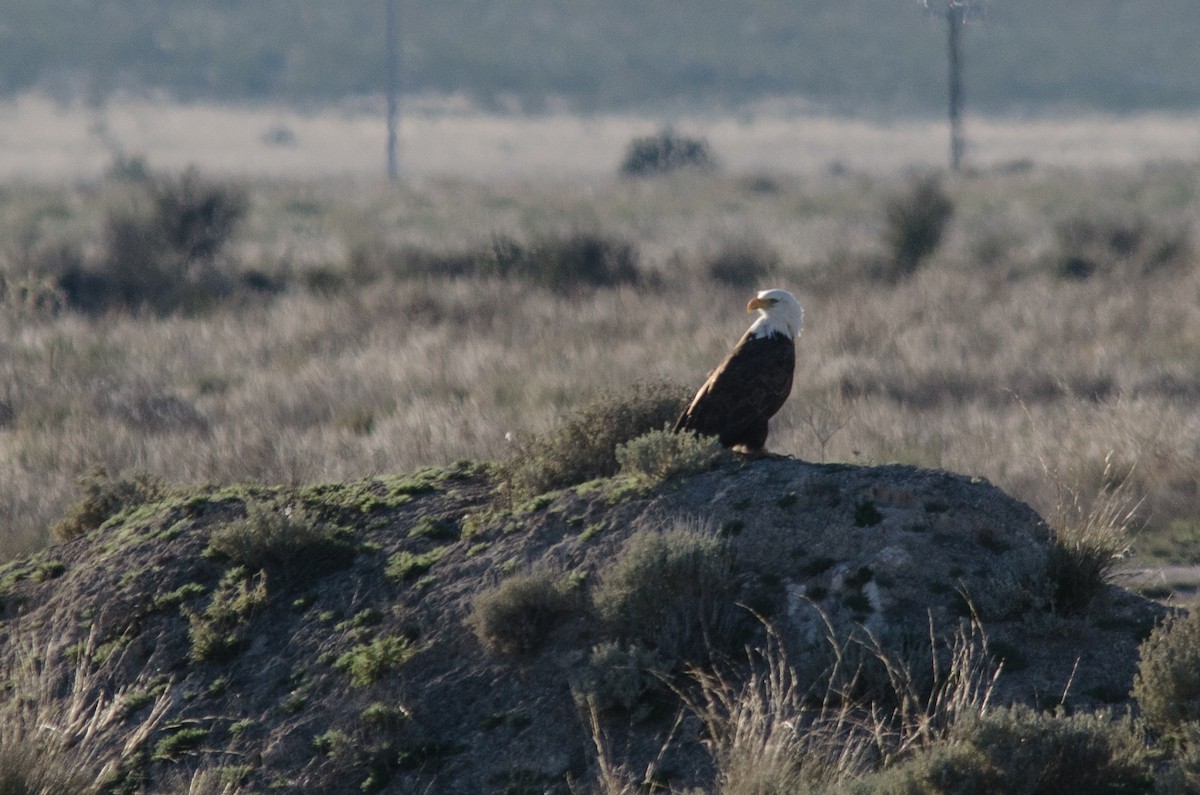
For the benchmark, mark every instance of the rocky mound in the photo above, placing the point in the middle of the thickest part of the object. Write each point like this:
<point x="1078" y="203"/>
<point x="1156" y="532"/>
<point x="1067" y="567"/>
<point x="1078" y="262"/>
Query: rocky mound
<point x="418" y="633"/>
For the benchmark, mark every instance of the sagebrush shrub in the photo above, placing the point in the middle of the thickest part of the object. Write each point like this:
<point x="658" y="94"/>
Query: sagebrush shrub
<point x="659" y="455"/>
<point x="675" y="592"/>
<point x="665" y="152"/>
<point x="516" y="616"/>
<point x="220" y="632"/>
<point x="102" y="497"/>
<point x="1167" y="684"/>
<point x="195" y="218"/>
<point x="284" y="540"/>
<point x="584" y="446"/>
<point x="1018" y="749"/>
<point x="1181" y="776"/>
<point x="915" y="222"/>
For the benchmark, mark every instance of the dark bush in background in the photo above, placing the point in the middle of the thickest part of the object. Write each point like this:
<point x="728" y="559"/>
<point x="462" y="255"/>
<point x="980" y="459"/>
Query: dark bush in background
<point x="165" y="258"/>
<point x="582" y="259"/>
<point x="743" y="263"/>
<point x="915" y="221"/>
<point x="565" y="264"/>
<point x="1089" y="245"/>
<point x="655" y="155"/>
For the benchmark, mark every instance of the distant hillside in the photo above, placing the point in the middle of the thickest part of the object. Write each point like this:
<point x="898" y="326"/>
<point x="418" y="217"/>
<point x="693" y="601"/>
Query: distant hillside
<point x="849" y="55"/>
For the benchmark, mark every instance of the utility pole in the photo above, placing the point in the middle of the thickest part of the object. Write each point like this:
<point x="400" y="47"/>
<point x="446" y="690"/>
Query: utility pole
<point x="392" y="26"/>
<point x="955" y="13"/>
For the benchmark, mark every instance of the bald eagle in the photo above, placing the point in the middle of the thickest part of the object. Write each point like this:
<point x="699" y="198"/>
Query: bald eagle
<point x="754" y="380"/>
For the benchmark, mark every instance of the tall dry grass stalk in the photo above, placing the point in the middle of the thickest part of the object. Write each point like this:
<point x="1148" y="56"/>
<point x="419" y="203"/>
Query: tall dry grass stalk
<point x="961" y="684"/>
<point x="53" y="717"/>
<point x="769" y="732"/>
<point x="614" y="777"/>
<point x="1093" y="532"/>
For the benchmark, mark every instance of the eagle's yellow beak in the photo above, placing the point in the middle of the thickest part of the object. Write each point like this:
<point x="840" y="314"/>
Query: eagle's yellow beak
<point x="757" y="303"/>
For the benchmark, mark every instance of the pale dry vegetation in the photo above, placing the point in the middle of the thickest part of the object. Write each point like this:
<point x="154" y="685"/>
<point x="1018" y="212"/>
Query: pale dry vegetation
<point x="986" y="359"/>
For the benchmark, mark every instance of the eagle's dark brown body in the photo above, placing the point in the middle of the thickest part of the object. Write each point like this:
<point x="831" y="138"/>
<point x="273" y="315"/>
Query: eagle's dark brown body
<point x="744" y="392"/>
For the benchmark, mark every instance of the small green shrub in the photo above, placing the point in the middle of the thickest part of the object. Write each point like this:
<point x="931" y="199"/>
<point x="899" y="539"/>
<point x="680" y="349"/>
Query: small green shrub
<point x="404" y="566"/>
<point x="383" y="717"/>
<point x="915" y="222"/>
<point x="176" y="744"/>
<point x="674" y="592"/>
<point x="1017" y="749"/>
<point x="516" y="616"/>
<point x="102" y="497"/>
<point x="666" y="152"/>
<point x="660" y="455"/>
<point x="284" y="541"/>
<point x="332" y="743"/>
<point x="368" y="663"/>
<point x="183" y="593"/>
<point x="220" y="632"/>
<point x="1167" y="684"/>
<point x="584" y="447"/>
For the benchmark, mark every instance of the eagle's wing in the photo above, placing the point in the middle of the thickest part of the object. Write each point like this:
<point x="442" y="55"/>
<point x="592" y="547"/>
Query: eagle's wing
<point x="744" y="390"/>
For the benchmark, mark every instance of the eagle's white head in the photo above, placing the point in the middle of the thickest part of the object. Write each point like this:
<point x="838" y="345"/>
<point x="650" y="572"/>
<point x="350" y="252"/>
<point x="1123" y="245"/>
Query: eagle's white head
<point x="779" y="313"/>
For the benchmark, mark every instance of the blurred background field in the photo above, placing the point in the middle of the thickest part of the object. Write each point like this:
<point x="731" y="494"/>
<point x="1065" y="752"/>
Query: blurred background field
<point x="343" y="328"/>
<point x="48" y="141"/>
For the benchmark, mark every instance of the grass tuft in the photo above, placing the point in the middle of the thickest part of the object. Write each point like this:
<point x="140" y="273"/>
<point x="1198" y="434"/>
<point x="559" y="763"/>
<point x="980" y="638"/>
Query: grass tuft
<point x="1091" y="537"/>
<point x="666" y="152"/>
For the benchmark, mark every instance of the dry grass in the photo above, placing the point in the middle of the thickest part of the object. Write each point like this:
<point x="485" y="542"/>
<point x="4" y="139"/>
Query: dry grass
<point x="986" y="361"/>
<point x="769" y="731"/>
<point x="51" y="745"/>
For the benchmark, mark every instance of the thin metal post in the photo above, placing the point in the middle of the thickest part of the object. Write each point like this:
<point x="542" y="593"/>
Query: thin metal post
<point x="393" y="88"/>
<point x="954" y="19"/>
